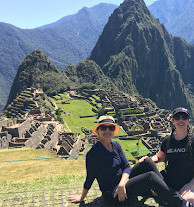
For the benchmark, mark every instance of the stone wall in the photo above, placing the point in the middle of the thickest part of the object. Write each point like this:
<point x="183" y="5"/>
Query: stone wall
<point x="7" y="123"/>
<point x="36" y="137"/>
<point x="69" y="144"/>
<point x="5" y="138"/>
<point x="40" y="133"/>
<point x="18" y="130"/>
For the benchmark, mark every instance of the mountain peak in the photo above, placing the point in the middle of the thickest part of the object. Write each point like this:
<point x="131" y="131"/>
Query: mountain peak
<point x="117" y="33"/>
<point x="37" y="60"/>
<point x="30" y="72"/>
<point x="139" y="55"/>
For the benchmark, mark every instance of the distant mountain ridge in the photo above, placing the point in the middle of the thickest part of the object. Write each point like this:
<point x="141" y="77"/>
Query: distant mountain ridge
<point x="177" y="16"/>
<point x="68" y="41"/>
<point x="135" y="54"/>
<point x="101" y="11"/>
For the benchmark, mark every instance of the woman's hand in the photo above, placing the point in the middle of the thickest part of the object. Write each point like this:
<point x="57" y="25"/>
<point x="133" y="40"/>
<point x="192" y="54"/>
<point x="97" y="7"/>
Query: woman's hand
<point x="121" y="193"/>
<point x="74" y="198"/>
<point x="78" y="198"/>
<point x="185" y="189"/>
<point x="156" y="158"/>
<point x="189" y="196"/>
<point x="143" y="158"/>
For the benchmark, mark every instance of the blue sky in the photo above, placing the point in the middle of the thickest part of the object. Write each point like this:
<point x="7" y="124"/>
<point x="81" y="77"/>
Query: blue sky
<point x="28" y="14"/>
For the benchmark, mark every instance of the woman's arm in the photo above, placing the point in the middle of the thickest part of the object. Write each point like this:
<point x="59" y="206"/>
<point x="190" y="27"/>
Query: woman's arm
<point x="90" y="169"/>
<point x="121" y="190"/>
<point x="156" y="158"/>
<point x="77" y="198"/>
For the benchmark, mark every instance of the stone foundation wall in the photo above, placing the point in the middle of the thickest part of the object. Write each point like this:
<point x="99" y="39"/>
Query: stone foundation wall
<point x="5" y="138"/>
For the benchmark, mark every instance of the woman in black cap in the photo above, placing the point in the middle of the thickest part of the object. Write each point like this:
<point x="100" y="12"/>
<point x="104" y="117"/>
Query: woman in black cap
<point x="177" y="151"/>
<point x="118" y="183"/>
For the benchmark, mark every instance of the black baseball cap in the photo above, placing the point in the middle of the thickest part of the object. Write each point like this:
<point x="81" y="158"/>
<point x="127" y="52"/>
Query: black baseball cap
<point x="180" y="110"/>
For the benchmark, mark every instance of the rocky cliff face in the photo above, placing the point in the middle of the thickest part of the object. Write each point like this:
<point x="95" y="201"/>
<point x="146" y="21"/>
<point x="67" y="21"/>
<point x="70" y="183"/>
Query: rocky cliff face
<point x="139" y="55"/>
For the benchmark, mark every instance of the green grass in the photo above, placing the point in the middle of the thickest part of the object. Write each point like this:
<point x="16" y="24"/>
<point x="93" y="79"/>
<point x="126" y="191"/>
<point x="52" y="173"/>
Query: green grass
<point x="36" y="176"/>
<point x="42" y="170"/>
<point x="138" y="110"/>
<point x="78" y="108"/>
<point x="94" y="99"/>
<point x="64" y="95"/>
<point x="131" y="145"/>
<point x="36" y="169"/>
<point x="121" y="133"/>
<point x="57" y="97"/>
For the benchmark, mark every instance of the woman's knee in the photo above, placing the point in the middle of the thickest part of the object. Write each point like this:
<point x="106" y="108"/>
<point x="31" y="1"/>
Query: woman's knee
<point x="151" y="174"/>
<point x="149" y="160"/>
<point x="153" y="178"/>
<point x="150" y="163"/>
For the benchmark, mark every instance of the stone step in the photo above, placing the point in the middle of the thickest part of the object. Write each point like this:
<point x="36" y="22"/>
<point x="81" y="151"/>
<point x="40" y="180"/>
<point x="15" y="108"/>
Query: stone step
<point x="16" y="144"/>
<point x="20" y="140"/>
<point x="15" y="147"/>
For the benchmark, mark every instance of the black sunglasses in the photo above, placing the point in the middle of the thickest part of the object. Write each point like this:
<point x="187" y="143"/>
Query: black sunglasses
<point x="105" y="127"/>
<point x="182" y="116"/>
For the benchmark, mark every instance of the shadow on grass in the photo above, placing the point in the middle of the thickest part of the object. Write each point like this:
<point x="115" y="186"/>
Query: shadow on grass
<point x="99" y="202"/>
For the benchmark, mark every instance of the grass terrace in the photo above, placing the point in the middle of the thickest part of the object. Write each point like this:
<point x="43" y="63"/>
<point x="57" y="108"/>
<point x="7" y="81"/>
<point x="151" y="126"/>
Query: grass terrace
<point x="20" y="105"/>
<point x="79" y="115"/>
<point x="77" y="109"/>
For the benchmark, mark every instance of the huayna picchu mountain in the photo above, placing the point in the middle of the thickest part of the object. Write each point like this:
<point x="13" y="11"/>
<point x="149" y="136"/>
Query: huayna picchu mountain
<point x="139" y="55"/>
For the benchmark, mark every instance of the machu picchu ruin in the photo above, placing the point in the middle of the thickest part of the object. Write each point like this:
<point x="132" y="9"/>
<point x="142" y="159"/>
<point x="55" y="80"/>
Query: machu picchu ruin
<point x="34" y="120"/>
<point x="140" y="118"/>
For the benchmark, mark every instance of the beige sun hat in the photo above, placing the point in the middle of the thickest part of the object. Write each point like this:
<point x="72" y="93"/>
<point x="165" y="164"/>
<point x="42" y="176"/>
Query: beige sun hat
<point x="105" y="120"/>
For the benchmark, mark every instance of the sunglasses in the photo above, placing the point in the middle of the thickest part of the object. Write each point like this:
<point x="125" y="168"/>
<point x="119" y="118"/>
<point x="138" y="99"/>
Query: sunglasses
<point x="182" y="116"/>
<point x="105" y="127"/>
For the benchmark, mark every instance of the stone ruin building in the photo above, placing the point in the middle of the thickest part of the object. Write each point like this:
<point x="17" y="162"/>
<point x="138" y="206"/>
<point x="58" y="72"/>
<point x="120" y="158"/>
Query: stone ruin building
<point x="39" y="130"/>
<point x="5" y="137"/>
<point x="37" y="133"/>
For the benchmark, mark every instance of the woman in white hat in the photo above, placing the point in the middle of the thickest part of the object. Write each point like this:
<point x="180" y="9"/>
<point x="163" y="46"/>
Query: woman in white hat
<point x="107" y="163"/>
